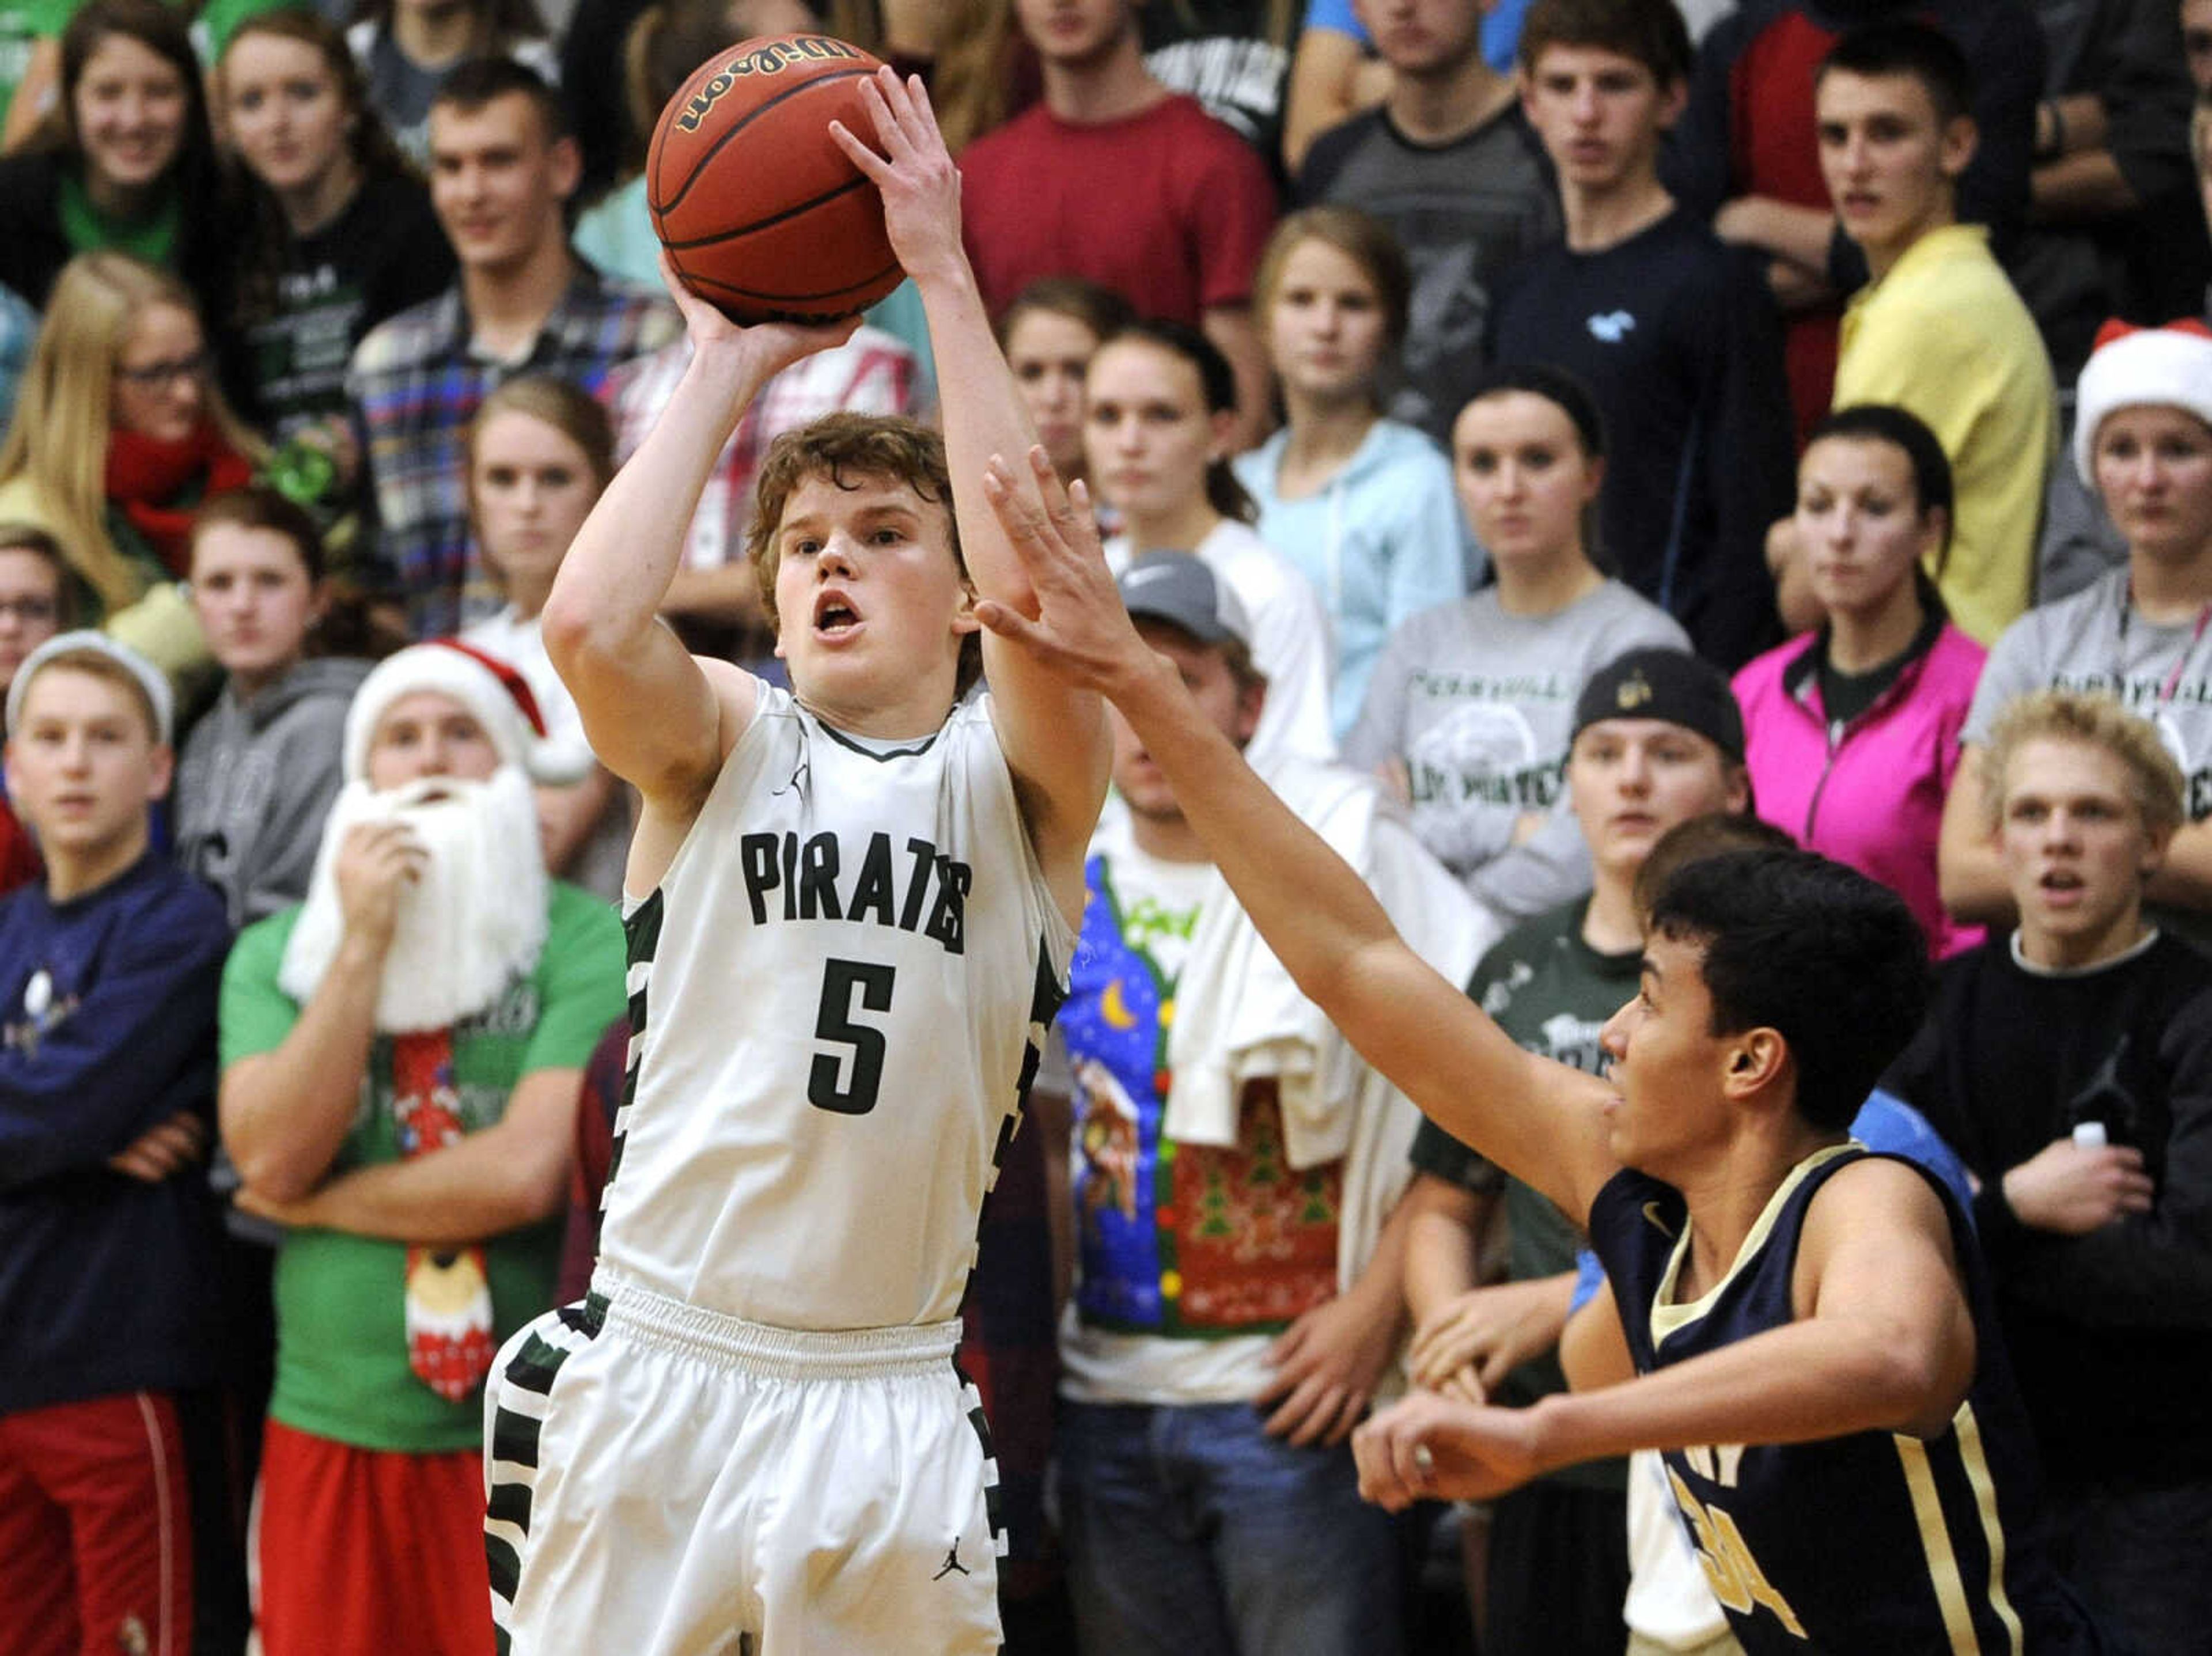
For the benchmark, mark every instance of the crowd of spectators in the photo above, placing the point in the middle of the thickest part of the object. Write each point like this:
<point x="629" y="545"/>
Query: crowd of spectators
<point x="1555" y="441"/>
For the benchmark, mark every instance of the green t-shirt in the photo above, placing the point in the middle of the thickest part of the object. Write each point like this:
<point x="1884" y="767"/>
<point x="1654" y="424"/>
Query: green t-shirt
<point x="342" y="1370"/>
<point x="1553" y="993"/>
<point x="152" y="240"/>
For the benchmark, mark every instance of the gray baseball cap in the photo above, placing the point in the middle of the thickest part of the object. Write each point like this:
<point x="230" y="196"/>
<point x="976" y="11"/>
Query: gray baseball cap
<point x="1180" y="589"/>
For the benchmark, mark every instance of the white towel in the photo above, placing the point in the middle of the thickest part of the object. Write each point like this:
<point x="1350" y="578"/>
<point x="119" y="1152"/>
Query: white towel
<point x="1239" y="1016"/>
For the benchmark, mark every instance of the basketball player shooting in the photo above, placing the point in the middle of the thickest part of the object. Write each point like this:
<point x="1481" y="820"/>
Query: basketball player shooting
<point x="1801" y="1326"/>
<point x="852" y="913"/>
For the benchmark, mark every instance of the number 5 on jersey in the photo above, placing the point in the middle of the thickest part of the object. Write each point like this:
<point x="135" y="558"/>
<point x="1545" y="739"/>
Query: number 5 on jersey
<point x="836" y="1023"/>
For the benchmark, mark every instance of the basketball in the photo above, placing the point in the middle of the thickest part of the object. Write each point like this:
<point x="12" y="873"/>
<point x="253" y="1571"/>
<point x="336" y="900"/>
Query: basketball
<point x="763" y="216"/>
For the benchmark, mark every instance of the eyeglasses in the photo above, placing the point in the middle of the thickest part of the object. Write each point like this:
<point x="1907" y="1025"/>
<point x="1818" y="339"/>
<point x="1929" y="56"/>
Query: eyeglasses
<point x="155" y="375"/>
<point x="28" y="610"/>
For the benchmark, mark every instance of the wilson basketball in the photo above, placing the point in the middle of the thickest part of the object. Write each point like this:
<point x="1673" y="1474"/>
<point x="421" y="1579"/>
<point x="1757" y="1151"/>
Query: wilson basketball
<point x="761" y="213"/>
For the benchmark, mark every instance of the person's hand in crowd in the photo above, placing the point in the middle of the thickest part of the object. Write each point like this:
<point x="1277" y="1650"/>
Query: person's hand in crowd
<point x="2073" y="1189"/>
<point x="1428" y="1447"/>
<point x="1468" y="1345"/>
<point x="1397" y="780"/>
<point x="377" y="862"/>
<point x="163" y="1150"/>
<point x="1328" y="1364"/>
<point x="335" y="438"/>
<point x="1795" y="600"/>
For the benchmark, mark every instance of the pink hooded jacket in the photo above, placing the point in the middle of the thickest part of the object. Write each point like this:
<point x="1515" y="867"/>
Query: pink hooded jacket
<point x="1870" y="793"/>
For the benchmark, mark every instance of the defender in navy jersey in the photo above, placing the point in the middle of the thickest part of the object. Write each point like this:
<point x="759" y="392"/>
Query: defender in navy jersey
<point x="851" y="908"/>
<point x="1779" y="1289"/>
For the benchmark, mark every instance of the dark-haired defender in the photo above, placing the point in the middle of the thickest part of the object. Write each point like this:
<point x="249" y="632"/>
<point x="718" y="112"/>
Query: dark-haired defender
<point x="1779" y="1288"/>
<point x="853" y="915"/>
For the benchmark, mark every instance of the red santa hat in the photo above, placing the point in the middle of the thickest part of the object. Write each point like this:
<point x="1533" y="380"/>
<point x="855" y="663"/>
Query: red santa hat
<point x="492" y="689"/>
<point x="2135" y="367"/>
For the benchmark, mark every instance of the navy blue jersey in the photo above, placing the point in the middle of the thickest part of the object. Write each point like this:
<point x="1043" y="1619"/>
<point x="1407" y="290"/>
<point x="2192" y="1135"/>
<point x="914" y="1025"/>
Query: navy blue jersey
<point x="1874" y="1541"/>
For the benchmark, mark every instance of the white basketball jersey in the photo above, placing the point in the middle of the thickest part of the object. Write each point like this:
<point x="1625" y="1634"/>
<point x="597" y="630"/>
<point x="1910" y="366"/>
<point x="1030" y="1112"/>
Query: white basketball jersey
<point x="837" y="994"/>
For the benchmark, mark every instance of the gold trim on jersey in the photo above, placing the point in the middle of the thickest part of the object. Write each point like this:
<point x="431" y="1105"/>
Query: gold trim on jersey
<point x="1943" y="1573"/>
<point x="1666" y="1317"/>
<point x="1976" y="1461"/>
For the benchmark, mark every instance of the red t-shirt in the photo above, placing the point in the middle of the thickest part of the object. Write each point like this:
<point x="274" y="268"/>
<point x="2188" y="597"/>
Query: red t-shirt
<point x="1777" y="154"/>
<point x="1168" y="207"/>
<point x="20" y="863"/>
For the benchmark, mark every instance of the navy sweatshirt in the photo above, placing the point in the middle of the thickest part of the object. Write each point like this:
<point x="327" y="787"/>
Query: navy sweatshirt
<point x="107" y="1026"/>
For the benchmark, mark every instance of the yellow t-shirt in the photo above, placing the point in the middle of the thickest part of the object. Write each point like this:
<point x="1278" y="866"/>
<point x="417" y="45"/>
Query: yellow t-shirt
<point x="1945" y="336"/>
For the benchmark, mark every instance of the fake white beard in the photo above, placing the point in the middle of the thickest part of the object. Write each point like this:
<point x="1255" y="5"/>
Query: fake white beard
<point x="473" y="924"/>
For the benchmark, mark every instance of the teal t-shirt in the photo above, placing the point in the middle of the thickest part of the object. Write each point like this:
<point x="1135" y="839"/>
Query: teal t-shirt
<point x="342" y="1368"/>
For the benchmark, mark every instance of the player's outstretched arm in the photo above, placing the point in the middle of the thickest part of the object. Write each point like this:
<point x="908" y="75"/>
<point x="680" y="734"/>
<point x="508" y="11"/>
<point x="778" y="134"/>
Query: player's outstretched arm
<point x="1054" y="733"/>
<point x="1883" y="1342"/>
<point x="655" y="717"/>
<point x="1541" y="1121"/>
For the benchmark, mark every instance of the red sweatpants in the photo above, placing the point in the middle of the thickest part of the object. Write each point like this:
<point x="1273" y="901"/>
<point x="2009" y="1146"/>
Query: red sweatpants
<point x="369" y="1552"/>
<point x="95" y="1537"/>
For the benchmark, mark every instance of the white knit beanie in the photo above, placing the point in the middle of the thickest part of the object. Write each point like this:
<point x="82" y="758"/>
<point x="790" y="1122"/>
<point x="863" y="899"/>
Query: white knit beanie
<point x="151" y="679"/>
<point x="488" y="688"/>
<point x="2134" y="367"/>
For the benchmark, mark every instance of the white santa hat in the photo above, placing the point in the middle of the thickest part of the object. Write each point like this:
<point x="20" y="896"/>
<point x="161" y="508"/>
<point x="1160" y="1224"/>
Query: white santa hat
<point x="2136" y="368"/>
<point x="495" y="692"/>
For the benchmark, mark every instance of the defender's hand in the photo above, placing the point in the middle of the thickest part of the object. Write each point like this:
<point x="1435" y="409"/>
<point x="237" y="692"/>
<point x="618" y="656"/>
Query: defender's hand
<point x="1429" y="1448"/>
<point x="1081" y="631"/>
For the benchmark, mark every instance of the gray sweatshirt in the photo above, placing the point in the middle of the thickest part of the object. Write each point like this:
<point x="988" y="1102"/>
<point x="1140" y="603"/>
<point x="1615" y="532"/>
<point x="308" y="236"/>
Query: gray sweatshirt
<point x="256" y="780"/>
<point x="1480" y="705"/>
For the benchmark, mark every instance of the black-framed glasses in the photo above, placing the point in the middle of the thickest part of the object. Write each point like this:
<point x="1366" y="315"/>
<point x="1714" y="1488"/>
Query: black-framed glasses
<point x="155" y="375"/>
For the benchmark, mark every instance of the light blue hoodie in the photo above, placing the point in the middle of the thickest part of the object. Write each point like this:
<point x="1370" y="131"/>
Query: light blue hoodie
<point x="1383" y="541"/>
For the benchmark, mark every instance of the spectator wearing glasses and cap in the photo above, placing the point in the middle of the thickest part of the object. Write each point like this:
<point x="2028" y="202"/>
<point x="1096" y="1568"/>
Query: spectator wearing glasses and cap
<point x="108" y="970"/>
<point x="1211" y="1102"/>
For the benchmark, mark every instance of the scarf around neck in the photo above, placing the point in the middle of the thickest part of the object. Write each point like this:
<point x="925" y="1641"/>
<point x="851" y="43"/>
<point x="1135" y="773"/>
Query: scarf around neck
<point x="157" y="484"/>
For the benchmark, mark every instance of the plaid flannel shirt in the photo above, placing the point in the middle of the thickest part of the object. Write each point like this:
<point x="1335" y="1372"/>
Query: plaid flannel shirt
<point x="415" y="382"/>
<point x="871" y="372"/>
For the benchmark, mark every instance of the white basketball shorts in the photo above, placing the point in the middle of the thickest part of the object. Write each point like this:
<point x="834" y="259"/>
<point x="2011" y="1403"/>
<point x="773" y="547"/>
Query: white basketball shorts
<point x="665" y="1481"/>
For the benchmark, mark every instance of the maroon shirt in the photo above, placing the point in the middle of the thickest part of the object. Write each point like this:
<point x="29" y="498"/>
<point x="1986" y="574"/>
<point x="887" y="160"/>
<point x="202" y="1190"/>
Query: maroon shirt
<point x="1168" y="207"/>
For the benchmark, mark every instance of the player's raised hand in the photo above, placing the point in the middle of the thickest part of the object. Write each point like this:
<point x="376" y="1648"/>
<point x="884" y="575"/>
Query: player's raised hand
<point x="912" y="170"/>
<point x="1428" y="1447"/>
<point x="746" y="355"/>
<point x="1078" y="629"/>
